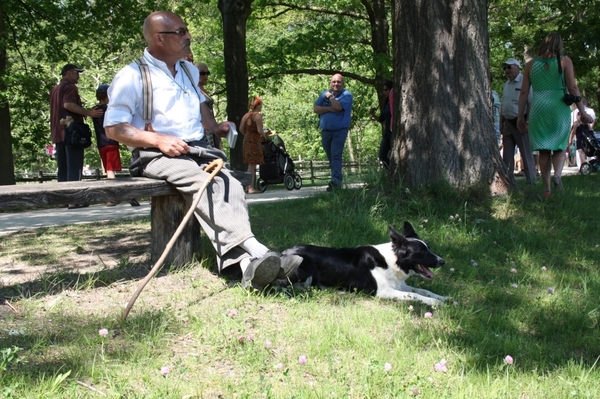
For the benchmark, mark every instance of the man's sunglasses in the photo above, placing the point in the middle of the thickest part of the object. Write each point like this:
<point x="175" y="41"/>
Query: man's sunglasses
<point x="505" y="67"/>
<point x="179" y="32"/>
<point x="204" y="73"/>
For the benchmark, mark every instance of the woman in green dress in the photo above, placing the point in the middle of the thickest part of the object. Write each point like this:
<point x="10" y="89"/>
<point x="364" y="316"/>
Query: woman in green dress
<point x="548" y="74"/>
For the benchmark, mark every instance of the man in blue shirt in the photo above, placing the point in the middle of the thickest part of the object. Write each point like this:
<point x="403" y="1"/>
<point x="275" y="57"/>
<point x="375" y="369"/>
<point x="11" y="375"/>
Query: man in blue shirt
<point x="334" y="107"/>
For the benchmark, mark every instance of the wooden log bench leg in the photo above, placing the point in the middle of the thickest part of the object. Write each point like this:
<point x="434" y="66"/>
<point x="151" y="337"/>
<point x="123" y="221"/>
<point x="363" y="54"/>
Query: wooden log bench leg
<point x="167" y="212"/>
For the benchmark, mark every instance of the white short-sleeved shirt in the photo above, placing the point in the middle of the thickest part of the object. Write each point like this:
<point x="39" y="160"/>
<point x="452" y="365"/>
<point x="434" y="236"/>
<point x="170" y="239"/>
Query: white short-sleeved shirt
<point x="510" y="97"/>
<point x="176" y="103"/>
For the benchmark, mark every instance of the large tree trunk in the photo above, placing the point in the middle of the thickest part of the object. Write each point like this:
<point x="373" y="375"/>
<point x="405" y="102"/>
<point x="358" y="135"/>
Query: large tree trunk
<point x="443" y="123"/>
<point x="235" y="13"/>
<point x="7" y="169"/>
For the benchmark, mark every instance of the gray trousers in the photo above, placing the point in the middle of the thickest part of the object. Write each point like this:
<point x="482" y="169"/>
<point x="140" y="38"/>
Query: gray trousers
<point x="222" y="210"/>
<point x="511" y="137"/>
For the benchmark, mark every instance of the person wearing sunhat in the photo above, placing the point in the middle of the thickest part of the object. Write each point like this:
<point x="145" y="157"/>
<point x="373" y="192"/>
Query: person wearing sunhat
<point x="65" y="101"/>
<point x="511" y="136"/>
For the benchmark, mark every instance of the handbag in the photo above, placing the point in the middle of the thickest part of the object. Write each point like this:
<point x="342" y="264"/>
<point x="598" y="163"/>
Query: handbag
<point x="78" y="135"/>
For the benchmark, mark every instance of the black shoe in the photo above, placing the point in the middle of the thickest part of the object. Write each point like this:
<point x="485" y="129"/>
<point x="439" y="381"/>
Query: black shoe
<point x="332" y="186"/>
<point x="262" y="271"/>
<point x="289" y="264"/>
<point x="134" y="202"/>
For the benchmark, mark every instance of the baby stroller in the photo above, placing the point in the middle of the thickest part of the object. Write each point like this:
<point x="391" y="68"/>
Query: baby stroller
<point x="278" y="166"/>
<point x="591" y="149"/>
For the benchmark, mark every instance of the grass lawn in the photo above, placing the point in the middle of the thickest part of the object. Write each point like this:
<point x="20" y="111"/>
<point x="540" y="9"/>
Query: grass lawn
<point x="523" y="321"/>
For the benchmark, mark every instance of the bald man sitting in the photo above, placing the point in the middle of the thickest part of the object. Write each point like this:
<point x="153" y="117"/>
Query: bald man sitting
<point x="174" y="148"/>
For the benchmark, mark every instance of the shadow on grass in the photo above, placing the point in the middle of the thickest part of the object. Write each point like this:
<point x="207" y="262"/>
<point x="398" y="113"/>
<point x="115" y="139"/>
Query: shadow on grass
<point x="493" y="318"/>
<point x="138" y="338"/>
<point x="526" y="285"/>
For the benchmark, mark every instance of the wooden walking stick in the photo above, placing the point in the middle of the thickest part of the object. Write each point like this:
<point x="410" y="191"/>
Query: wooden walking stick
<point x="216" y="167"/>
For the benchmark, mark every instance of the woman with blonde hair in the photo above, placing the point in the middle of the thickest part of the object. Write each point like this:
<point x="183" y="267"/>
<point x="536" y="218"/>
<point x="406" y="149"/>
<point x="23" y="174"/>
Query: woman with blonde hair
<point x="213" y="139"/>
<point x="251" y="127"/>
<point x="550" y="75"/>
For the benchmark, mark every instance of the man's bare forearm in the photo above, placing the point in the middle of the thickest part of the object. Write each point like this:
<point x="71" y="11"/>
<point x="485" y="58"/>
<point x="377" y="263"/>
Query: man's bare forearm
<point x="134" y="137"/>
<point x="209" y="122"/>
<point x="77" y="109"/>
<point x="319" y="109"/>
<point x="130" y="135"/>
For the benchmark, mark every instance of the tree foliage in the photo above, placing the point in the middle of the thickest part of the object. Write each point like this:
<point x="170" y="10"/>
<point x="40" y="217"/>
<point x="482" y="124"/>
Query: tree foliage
<point x="291" y="49"/>
<point x="38" y="38"/>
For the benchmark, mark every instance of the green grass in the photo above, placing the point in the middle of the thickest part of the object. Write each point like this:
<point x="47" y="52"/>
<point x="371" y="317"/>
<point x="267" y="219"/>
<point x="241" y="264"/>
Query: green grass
<point x="220" y="341"/>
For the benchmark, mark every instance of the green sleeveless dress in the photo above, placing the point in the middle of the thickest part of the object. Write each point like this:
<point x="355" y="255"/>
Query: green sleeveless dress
<point x="549" y="117"/>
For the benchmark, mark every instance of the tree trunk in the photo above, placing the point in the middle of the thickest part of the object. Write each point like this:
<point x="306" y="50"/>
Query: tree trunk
<point x="7" y="169"/>
<point x="377" y="14"/>
<point x="443" y="126"/>
<point x="235" y="13"/>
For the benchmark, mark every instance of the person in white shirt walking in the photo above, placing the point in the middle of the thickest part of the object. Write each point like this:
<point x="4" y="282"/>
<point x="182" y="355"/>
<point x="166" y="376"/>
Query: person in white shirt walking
<point x="511" y="136"/>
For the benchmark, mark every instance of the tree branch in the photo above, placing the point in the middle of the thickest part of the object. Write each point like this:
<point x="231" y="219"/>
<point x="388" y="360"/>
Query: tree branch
<point x="293" y="7"/>
<point x="309" y="71"/>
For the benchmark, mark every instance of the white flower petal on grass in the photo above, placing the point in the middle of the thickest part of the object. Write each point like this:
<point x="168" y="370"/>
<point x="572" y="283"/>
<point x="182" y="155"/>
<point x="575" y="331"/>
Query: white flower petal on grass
<point x="103" y="332"/>
<point x="387" y="367"/>
<point x="302" y="359"/>
<point x="428" y="315"/>
<point x="551" y="290"/>
<point x="513" y="270"/>
<point x="515" y="285"/>
<point x="508" y="359"/>
<point x="267" y="344"/>
<point x="441" y="366"/>
<point x="544" y="268"/>
<point x="164" y="370"/>
<point x="279" y="366"/>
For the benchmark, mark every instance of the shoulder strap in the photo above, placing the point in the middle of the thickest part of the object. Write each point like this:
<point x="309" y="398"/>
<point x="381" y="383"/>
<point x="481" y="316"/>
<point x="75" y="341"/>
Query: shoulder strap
<point x="146" y="90"/>
<point x="189" y="75"/>
<point x="194" y="85"/>
<point x="560" y="72"/>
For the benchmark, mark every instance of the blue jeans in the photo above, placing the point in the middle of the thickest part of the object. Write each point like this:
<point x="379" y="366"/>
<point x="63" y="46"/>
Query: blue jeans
<point x="69" y="162"/>
<point x="333" y="142"/>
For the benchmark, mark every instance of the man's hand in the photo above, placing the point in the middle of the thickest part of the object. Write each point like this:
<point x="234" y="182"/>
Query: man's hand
<point x="172" y="146"/>
<point x="95" y="112"/>
<point x="522" y="125"/>
<point x="223" y="129"/>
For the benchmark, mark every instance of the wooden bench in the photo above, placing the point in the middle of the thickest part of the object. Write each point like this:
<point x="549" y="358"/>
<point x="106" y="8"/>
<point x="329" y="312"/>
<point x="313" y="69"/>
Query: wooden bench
<point x="167" y="210"/>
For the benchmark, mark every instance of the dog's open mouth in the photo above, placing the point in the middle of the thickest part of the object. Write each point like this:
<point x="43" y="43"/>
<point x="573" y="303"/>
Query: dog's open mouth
<point x="424" y="272"/>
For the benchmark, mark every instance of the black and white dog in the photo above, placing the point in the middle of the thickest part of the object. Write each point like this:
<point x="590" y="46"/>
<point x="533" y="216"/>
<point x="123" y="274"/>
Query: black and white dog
<point x="379" y="270"/>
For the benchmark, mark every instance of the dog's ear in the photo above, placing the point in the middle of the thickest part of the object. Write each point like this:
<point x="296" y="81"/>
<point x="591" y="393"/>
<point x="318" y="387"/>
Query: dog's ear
<point x="396" y="238"/>
<point x="409" y="231"/>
